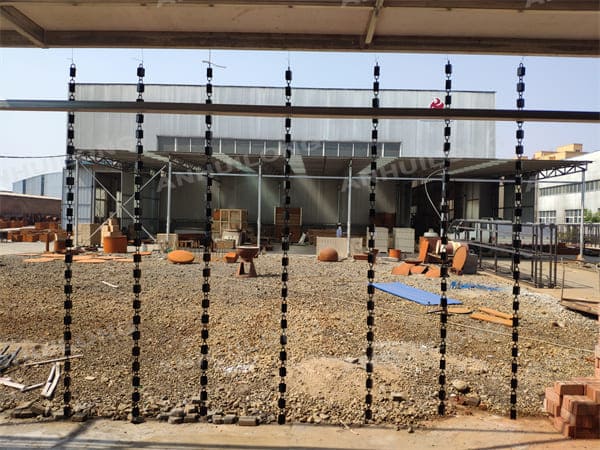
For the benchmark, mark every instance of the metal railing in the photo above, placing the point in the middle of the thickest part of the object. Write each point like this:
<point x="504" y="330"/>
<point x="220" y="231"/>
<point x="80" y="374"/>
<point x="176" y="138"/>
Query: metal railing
<point x="494" y="237"/>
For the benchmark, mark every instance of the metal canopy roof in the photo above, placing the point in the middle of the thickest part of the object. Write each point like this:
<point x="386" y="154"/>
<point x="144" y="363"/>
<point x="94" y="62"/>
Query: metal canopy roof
<point x="408" y="168"/>
<point x="545" y="27"/>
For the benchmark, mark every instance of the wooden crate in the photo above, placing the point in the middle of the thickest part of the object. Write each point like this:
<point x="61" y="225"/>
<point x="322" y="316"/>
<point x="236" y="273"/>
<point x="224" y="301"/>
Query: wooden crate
<point x="295" y="216"/>
<point x="229" y="219"/>
<point x="86" y="236"/>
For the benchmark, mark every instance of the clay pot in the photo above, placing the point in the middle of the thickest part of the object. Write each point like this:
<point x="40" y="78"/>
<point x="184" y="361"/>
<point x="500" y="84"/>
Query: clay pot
<point x="394" y="253"/>
<point x="116" y="244"/>
<point x="247" y="253"/>
<point x="231" y="257"/>
<point x="60" y="246"/>
<point x="180" y="257"/>
<point x="328" y="254"/>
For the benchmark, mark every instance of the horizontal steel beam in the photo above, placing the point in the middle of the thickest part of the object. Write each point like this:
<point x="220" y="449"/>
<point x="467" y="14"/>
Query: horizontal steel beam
<point x="542" y="46"/>
<point x="552" y="5"/>
<point x="307" y="112"/>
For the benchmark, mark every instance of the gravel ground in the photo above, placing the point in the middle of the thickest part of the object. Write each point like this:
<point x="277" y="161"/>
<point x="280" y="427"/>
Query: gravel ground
<point x="327" y="321"/>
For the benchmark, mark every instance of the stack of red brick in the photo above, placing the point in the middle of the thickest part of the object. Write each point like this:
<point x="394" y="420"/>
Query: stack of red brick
<point x="575" y="407"/>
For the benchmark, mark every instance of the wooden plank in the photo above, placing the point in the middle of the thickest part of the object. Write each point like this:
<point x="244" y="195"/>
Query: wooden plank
<point x="9" y="383"/>
<point x="459" y="310"/>
<point x="494" y="312"/>
<point x="48" y="361"/>
<point x="492" y="319"/>
<point x="587" y="308"/>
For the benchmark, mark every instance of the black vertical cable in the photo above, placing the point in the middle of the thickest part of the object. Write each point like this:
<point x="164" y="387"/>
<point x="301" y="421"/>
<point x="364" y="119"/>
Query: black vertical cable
<point x="208" y="151"/>
<point x="70" y="164"/>
<point x="444" y="242"/>
<point x="285" y="246"/>
<point x="371" y="246"/>
<point x="137" y="257"/>
<point x="517" y="228"/>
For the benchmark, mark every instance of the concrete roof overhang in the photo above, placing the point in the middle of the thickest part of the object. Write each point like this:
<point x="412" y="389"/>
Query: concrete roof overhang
<point x="522" y="27"/>
<point x="399" y="169"/>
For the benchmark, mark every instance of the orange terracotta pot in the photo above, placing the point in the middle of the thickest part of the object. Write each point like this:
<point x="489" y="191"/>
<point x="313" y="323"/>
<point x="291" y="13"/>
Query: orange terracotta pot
<point x="394" y="253"/>
<point x="117" y="244"/>
<point x="231" y="257"/>
<point x="181" y="257"/>
<point x="59" y="246"/>
<point x="328" y="254"/>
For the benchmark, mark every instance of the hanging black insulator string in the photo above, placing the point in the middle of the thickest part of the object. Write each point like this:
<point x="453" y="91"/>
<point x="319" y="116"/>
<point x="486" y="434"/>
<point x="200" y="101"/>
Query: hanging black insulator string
<point x="371" y="246"/>
<point x="206" y="257"/>
<point x="136" y="416"/>
<point x="517" y="228"/>
<point x="285" y="247"/>
<point x="70" y="163"/>
<point x="444" y="220"/>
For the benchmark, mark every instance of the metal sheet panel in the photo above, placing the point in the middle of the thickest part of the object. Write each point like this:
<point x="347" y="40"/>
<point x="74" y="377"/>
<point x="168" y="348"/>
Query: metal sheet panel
<point x="417" y="138"/>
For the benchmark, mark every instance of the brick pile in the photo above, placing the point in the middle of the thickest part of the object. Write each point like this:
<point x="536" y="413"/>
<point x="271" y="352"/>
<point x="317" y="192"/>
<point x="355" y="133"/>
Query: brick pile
<point x="574" y="406"/>
<point x="111" y="229"/>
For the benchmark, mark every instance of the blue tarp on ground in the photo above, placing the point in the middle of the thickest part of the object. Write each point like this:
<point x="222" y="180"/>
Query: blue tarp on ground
<point x="413" y="294"/>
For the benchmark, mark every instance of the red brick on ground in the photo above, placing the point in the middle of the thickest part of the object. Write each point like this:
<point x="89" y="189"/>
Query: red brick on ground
<point x="569" y="388"/>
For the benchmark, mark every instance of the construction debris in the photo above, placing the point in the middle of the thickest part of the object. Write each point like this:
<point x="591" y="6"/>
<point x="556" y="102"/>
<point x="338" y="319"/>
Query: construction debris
<point x="6" y="359"/>
<point x="53" y="378"/>
<point x="48" y="361"/>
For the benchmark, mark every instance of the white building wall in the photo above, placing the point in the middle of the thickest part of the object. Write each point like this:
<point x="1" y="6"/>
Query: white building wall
<point x="564" y="200"/>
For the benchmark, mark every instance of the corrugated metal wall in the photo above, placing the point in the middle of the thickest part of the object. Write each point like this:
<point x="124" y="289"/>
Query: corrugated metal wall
<point x="418" y="137"/>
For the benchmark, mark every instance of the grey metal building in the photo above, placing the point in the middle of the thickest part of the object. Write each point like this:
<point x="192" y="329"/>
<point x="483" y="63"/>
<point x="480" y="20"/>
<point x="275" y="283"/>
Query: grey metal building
<point x="329" y="155"/>
<point x="45" y="185"/>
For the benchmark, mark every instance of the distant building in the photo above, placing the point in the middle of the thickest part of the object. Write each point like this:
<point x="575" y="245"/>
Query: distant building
<point x="46" y="185"/>
<point x="560" y="201"/>
<point x="563" y="152"/>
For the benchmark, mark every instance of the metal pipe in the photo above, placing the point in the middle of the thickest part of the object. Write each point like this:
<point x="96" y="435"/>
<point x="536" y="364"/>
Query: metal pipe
<point x="168" y="227"/>
<point x="349" y="221"/>
<point x="581" y="220"/>
<point x="259" y="215"/>
<point x="366" y="177"/>
<point x="315" y="112"/>
<point x="77" y="201"/>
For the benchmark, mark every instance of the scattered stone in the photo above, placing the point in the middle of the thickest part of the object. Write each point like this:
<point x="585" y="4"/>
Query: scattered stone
<point x="410" y="429"/>
<point x="90" y="378"/>
<point x="190" y="409"/>
<point x="191" y="418"/>
<point x="38" y="409"/>
<point x="398" y="396"/>
<point x="248" y="421"/>
<point x="230" y="419"/>
<point x="135" y="420"/>
<point x="25" y="405"/>
<point x="472" y="400"/>
<point x="351" y="360"/>
<point x="23" y="413"/>
<point x="460" y="385"/>
<point x="175" y="419"/>
<point x="177" y="412"/>
<point x="81" y="416"/>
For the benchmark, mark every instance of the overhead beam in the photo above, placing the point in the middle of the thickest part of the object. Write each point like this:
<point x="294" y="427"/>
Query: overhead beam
<point x="372" y="25"/>
<point x="307" y="112"/>
<point x="272" y="41"/>
<point x="547" y="5"/>
<point x="24" y="25"/>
